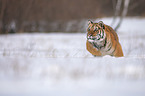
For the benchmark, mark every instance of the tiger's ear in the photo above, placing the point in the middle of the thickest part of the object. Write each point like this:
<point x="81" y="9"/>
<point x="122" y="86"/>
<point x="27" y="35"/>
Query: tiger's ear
<point x="101" y="24"/>
<point x="90" y="22"/>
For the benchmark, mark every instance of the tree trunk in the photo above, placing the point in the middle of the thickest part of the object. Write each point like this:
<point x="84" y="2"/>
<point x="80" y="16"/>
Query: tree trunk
<point x="3" y="16"/>
<point x="124" y="13"/>
<point x="117" y="10"/>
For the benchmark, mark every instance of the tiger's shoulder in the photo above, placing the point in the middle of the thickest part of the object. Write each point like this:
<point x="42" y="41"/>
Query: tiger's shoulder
<point x="111" y="31"/>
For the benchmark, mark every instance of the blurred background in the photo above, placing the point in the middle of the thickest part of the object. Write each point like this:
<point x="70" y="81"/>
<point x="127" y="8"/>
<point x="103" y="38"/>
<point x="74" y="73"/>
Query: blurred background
<point x="18" y="16"/>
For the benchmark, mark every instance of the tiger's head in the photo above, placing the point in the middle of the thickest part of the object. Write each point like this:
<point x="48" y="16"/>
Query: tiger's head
<point x="96" y="32"/>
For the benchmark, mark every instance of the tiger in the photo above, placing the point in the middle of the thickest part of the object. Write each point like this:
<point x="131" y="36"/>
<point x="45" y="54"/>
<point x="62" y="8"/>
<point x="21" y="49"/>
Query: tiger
<point x="102" y="40"/>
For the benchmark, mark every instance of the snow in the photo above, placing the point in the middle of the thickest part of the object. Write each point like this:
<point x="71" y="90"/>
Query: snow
<point x="52" y="64"/>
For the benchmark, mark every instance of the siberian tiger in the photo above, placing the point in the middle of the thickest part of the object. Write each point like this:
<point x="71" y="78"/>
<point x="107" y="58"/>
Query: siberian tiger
<point x="102" y="40"/>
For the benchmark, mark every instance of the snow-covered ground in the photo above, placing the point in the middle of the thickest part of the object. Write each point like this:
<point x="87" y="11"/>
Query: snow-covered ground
<point x="58" y="64"/>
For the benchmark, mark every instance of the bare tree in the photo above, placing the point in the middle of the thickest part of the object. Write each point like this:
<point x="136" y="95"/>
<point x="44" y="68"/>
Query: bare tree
<point x="23" y="13"/>
<point x="117" y="11"/>
<point x="3" y="16"/>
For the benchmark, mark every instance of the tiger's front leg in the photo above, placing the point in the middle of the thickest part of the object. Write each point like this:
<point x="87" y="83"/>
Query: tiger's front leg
<point x="92" y="49"/>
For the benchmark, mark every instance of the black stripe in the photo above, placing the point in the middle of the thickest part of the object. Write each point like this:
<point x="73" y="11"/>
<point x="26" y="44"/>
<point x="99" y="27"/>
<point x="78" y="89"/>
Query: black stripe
<point x="100" y="32"/>
<point x="114" y="49"/>
<point x="99" y="37"/>
<point x="105" y="42"/>
<point x="110" y="46"/>
<point x="103" y="33"/>
<point x="96" y="45"/>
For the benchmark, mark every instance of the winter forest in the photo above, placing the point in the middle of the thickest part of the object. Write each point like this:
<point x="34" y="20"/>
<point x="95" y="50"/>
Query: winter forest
<point x="18" y="16"/>
<point x="43" y="48"/>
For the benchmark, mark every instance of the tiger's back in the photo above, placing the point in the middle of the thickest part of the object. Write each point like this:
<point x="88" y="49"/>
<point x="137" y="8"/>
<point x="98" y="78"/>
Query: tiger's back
<point x="108" y="42"/>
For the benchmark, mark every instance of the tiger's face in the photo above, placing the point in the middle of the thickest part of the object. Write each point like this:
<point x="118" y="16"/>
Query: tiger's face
<point x="95" y="32"/>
